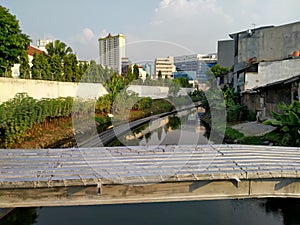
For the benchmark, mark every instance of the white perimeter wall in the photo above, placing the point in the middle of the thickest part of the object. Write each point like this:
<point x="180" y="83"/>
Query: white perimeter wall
<point x="38" y="89"/>
<point x="150" y="91"/>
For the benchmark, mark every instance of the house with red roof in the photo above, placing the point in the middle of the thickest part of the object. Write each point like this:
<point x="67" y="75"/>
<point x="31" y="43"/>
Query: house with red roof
<point x="30" y="51"/>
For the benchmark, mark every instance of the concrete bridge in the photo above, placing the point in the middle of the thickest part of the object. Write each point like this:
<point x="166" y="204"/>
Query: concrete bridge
<point x="61" y="177"/>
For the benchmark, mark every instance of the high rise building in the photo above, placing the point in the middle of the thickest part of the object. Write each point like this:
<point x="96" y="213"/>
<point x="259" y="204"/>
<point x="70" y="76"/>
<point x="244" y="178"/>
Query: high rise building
<point x="196" y="62"/>
<point x="112" y="50"/>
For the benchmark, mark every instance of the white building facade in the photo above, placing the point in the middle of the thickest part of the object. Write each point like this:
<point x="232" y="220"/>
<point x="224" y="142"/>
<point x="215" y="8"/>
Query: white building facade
<point x="165" y="66"/>
<point x="41" y="44"/>
<point x="111" y="51"/>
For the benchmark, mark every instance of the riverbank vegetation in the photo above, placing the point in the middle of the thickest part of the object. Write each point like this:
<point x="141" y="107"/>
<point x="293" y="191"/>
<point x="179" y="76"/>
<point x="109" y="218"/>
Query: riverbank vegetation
<point x="31" y="123"/>
<point x="287" y="125"/>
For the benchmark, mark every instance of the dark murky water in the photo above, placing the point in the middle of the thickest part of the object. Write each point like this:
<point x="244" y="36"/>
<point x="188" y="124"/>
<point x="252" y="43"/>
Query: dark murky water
<point x="231" y="212"/>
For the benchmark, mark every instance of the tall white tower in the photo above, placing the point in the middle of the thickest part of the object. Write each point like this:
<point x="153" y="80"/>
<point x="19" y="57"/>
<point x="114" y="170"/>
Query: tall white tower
<point x="112" y="50"/>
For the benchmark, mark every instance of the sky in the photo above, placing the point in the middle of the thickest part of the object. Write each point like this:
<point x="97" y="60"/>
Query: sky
<point x="153" y="28"/>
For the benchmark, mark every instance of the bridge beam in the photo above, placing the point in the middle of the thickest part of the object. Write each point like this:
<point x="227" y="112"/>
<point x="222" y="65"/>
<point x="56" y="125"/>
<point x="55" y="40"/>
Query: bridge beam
<point x="159" y="192"/>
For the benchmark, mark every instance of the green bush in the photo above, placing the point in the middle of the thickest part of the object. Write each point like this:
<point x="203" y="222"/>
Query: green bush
<point x="232" y="134"/>
<point x="287" y="123"/>
<point x="22" y="112"/>
<point x="143" y="103"/>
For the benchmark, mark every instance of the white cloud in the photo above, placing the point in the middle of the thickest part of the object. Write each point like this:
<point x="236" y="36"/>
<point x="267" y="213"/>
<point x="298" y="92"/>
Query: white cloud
<point x="190" y="23"/>
<point x="84" y="37"/>
<point x="85" y="44"/>
<point x="199" y="24"/>
<point x="88" y="33"/>
<point x="103" y="33"/>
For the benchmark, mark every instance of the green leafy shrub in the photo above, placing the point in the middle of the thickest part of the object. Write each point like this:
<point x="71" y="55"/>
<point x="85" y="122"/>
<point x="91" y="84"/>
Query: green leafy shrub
<point x="22" y="112"/>
<point x="287" y="123"/>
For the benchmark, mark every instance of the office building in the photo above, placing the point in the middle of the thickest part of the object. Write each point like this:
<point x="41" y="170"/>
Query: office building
<point x="196" y="62"/>
<point x="112" y="50"/>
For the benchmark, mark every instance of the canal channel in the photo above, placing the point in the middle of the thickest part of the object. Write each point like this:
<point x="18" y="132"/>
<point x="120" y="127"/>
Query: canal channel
<point x="180" y="128"/>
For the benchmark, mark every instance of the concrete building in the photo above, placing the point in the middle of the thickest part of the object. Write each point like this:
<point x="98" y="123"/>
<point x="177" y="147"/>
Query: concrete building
<point x="30" y="52"/>
<point x="264" y="44"/>
<point x="274" y="82"/>
<point x="41" y="44"/>
<point x="267" y="67"/>
<point x="125" y="64"/>
<point x="196" y="62"/>
<point x="165" y="66"/>
<point x="267" y="43"/>
<point x="226" y="53"/>
<point x="111" y="51"/>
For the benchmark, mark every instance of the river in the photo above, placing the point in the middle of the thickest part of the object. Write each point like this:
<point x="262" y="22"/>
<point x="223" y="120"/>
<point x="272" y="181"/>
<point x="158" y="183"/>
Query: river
<point x="231" y="212"/>
<point x="183" y="128"/>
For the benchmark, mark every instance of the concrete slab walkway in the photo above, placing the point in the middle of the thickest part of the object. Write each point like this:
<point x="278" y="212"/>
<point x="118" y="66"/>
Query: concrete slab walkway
<point x="253" y="128"/>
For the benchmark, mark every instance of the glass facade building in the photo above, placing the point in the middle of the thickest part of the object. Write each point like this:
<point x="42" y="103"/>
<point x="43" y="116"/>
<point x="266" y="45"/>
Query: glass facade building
<point x="197" y="63"/>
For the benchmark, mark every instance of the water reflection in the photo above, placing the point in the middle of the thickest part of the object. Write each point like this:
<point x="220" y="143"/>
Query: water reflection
<point x="288" y="208"/>
<point x="233" y="212"/>
<point x="173" y="122"/>
<point x="180" y="128"/>
<point x="20" y="216"/>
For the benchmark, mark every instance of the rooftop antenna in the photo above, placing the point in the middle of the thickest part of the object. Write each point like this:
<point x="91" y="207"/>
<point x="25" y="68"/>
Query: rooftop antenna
<point x="254" y="24"/>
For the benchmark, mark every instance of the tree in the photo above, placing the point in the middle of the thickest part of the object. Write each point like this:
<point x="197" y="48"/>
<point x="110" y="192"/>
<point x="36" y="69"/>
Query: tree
<point x="129" y="76"/>
<point x="136" y="71"/>
<point x="82" y="68"/>
<point x="159" y="75"/>
<point x="115" y="84"/>
<point x="24" y="66"/>
<point x="70" y="67"/>
<point x="40" y="67"/>
<point x="182" y="82"/>
<point x="104" y="104"/>
<point x="45" y="67"/>
<point x="13" y="43"/>
<point x="218" y="71"/>
<point x="36" y="65"/>
<point x="58" y="48"/>
<point x="56" y="68"/>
